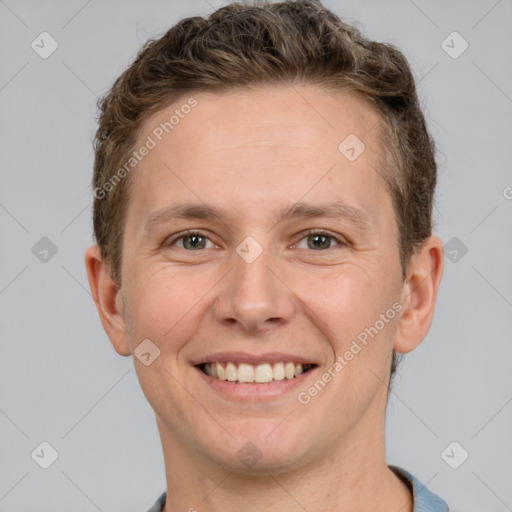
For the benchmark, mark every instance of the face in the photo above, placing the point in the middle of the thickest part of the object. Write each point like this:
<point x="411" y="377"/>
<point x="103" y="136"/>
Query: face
<point x="253" y="246"/>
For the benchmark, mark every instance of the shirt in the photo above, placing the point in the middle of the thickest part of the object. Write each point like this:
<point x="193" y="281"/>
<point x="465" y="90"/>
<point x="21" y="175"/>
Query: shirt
<point x="424" y="500"/>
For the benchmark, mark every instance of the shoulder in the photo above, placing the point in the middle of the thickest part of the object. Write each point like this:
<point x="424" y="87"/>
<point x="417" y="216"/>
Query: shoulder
<point x="159" y="504"/>
<point x="424" y="500"/>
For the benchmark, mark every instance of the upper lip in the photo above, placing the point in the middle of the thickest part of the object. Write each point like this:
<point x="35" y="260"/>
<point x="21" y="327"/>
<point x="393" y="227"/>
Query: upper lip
<point x="254" y="359"/>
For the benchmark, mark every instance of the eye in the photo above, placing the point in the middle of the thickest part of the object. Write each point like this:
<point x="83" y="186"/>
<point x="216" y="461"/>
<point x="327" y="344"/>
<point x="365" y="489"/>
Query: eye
<point x="319" y="240"/>
<point x="192" y="241"/>
<point x="316" y="240"/>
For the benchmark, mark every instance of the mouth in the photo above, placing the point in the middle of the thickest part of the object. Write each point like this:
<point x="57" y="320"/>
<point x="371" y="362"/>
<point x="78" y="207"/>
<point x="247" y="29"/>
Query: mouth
<point x="257" y="374"/>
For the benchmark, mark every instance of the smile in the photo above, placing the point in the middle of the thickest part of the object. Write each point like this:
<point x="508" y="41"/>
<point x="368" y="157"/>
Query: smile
<point x="254" y="374"/>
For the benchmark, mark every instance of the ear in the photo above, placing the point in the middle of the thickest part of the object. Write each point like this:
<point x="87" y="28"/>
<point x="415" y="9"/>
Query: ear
<point x="107" y="296"/>
<point x="419" y="294"/>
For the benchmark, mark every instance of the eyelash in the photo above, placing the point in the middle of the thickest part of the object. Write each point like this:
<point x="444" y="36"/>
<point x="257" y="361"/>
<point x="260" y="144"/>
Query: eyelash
<point x="323" y="232"/>
<point x="306" y="234"/>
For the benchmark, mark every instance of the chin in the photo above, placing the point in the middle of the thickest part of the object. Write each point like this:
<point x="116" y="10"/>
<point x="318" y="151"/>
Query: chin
<point x="259" y="451"/>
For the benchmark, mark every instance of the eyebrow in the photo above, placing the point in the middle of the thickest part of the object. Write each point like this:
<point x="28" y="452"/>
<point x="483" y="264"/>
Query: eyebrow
<point x="192" y="211"/>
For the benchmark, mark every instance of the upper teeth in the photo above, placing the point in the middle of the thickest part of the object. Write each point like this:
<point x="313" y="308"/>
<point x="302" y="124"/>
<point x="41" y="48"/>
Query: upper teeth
<point x="244" y="372"/>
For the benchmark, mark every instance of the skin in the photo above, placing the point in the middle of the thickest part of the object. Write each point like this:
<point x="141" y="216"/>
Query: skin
<point x="251" y="153"/>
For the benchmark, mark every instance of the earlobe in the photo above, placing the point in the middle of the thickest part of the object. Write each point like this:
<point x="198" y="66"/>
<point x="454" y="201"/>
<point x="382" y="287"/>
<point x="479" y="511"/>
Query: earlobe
<point x="107" y="297"/>
<point x="419" y="295"/>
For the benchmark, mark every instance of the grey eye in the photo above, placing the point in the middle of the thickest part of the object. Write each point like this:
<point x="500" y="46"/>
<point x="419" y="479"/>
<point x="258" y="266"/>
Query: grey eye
<point x="193" y="242"/>
<point x="319" y="241"/>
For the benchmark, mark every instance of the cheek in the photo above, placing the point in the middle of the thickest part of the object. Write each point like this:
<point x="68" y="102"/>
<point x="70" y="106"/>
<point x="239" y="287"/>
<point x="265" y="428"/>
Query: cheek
<point x="164" y="303"/>
<point x="165" y="308"/>
<point x="353" y="306"/>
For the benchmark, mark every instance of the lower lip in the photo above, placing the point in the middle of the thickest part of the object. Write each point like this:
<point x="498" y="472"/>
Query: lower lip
<point x="256" y="391"/>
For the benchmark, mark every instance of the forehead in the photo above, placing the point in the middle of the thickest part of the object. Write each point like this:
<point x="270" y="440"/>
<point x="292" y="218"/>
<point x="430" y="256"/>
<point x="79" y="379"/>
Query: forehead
<point x="289" y="115"/>
<point x="270" y="144"/>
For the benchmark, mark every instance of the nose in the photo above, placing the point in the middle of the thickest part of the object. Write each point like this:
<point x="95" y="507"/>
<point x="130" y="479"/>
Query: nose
<point x="254" y="297"/>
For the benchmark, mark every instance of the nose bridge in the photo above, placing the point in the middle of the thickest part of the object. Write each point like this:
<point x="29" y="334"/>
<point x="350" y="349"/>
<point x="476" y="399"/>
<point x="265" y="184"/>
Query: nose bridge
<point x="252" y="295"/>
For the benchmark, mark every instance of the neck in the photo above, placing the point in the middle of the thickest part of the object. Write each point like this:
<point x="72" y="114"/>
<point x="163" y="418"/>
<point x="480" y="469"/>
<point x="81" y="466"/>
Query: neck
<point x="335" y="481"/>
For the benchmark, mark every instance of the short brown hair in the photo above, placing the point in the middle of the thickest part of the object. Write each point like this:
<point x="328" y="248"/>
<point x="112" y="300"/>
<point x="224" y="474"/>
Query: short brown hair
<point x="243" y="45"/>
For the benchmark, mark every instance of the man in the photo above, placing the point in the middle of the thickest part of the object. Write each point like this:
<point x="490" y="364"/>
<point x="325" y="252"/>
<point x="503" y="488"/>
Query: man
<point x="263" y="205"/>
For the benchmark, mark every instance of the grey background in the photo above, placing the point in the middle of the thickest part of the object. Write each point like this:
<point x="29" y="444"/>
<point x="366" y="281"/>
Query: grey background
<point x="60" y="380"/>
